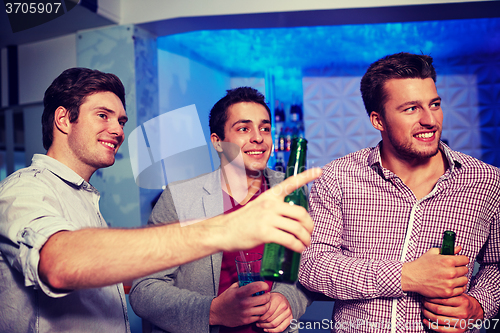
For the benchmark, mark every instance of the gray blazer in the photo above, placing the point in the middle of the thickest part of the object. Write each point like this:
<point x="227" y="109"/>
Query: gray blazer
<point x="179" y="299"/>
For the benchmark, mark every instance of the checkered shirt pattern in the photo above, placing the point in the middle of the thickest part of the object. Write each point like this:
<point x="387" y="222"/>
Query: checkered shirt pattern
<point x="368" y="223"/>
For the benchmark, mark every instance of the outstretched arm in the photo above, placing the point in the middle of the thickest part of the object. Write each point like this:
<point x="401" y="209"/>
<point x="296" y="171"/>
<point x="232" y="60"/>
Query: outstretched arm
<point x="91" y="258"/>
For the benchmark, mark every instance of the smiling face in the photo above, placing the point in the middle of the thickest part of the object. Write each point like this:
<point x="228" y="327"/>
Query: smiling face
<point x="411" y="124"/>
<point x="94" y="139"/>
<point x="248" y="127"/>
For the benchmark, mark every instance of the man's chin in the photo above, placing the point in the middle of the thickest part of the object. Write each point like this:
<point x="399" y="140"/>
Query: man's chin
<point x="255" y="170"/>
<point x="106" y="164"/>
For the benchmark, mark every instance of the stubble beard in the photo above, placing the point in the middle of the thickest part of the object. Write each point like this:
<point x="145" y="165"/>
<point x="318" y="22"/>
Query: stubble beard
<point x="408" y="152"/>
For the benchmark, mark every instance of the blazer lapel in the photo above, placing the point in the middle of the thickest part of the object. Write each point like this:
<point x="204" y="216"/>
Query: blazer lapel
<point x="212" y="196"/>
<point x="213" y="206"/>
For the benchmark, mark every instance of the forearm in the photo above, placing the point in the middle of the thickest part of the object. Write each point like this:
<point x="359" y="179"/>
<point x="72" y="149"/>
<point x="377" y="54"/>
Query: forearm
<point x="156" y="299"/>
<point x="298" y="297"/>
<point x="484" y="288"/>
<point x="350" y="278"/>
<point x="91" y="258"/>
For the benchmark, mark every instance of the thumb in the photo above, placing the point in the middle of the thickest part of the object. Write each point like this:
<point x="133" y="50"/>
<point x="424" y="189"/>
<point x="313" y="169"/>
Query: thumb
<point x="458" y="249"/>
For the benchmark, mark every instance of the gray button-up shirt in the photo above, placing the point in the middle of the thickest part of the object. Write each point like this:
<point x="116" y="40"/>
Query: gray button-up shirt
<point x="35" y="203"/>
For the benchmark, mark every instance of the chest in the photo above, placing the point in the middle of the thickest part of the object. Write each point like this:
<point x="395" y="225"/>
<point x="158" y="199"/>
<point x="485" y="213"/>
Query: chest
<point x="381" y="221"/>
<point x="81" y="207"/>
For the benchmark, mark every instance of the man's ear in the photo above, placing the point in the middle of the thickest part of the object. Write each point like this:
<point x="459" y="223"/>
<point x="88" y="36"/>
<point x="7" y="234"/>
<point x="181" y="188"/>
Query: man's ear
<point x="377" y="120"/>
<point x="61" y="119"/>
<point x="216" y="142"/>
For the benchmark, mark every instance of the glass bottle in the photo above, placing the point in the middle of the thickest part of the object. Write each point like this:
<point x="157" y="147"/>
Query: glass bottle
<point x="279" y="263"/>
<point x="448" y="247"/>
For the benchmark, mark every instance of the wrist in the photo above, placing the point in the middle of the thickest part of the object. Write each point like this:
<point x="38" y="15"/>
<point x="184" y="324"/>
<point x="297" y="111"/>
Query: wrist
<point x="214" y="318"/>
<point x="406" y="281"/>
<point x="478" y="312"/>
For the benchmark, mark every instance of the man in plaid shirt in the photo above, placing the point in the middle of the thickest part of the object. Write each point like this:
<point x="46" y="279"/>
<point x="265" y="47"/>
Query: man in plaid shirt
<point x="380" y="214"/>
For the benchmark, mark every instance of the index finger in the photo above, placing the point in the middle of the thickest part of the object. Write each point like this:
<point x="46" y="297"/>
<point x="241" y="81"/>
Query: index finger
<point x="451" y="301"/>
<point x="294" y="182"/>
<point x="254" y="287"/>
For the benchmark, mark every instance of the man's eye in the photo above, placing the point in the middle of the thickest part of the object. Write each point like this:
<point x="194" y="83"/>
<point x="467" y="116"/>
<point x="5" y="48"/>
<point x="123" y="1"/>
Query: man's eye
<point x="102" y="115"/>
<point x="265" y="129"/>
<point x="436" y="105"/>
<point x="242" y="129"/>
<point x="412" y="108"/>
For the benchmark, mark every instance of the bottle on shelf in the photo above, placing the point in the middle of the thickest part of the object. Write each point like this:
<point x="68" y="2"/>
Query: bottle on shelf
<point x="282" y="140"/>
<point x="296" y="113"/>
<point x="278" y="262"/>
<point x="279" y="113"/>
<point x="288" y="139"/>
<point x="300" y="114"/>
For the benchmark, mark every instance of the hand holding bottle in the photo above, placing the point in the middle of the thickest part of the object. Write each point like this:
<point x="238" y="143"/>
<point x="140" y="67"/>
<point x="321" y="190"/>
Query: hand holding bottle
<point x="434" y="275"/>
<point x="272" y="220"/>
<point x="279" y="263"/>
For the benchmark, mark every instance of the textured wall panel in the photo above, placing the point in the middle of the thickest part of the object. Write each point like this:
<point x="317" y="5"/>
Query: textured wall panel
<point x="335" y="119"/>
<point x="337" y="124"/>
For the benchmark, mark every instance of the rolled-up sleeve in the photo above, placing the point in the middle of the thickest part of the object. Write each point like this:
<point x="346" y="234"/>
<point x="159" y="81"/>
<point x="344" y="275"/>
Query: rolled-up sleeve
<point x="30" y="215"/>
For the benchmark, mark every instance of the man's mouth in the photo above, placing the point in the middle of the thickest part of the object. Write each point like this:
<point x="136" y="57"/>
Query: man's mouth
<point x="426" y="135"/>
<point x="260" y="152"/>
<point x="109" y="144"/>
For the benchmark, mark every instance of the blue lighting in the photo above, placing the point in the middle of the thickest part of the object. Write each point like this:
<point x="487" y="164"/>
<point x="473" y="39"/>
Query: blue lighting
<point x="250" y="52"/>
<point x="289" y="53"/>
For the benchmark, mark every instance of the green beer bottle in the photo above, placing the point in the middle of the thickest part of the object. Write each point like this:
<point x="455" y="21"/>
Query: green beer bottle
<point x="279" y="263"/>
<point x="448" y="247"/>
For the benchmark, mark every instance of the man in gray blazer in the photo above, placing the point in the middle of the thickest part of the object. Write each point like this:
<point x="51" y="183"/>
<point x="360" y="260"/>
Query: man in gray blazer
<point x="187" y="298"/>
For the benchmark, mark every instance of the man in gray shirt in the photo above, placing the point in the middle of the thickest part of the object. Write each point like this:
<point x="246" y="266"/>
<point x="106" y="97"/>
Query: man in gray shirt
<point x="60" y="266"/>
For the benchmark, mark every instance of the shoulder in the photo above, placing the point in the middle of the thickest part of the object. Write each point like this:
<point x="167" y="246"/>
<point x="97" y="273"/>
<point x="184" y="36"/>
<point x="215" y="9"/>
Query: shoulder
<point x="273" y="177"/>
<point x="32" y="177"/>
<point x="181" y="194"/>
<point x="349" y="163"/>
<point x="194" y="184"/>
<point x="473" y="168"/>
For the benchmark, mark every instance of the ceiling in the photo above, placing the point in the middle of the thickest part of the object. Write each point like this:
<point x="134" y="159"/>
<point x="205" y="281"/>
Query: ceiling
<point x="291" y="53"/>
<point x="248" y="52"/>
<point x="78" y="18"/>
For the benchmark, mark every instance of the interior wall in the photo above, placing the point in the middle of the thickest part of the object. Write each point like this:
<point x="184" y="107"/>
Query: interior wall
<point x="337" y="124"/>
<point x="41" y="62"/>
<point x="112" y="50"/>
<point x="183" y="82"/>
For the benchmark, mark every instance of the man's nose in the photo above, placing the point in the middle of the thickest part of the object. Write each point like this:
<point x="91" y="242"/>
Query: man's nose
<point x="117" y="129"/>
<point x="257" y="136"/>
<point x="428" y="117"/>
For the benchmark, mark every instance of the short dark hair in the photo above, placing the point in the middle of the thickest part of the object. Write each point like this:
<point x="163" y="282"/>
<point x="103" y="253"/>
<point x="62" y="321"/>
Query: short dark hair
<point x="396" y="66"/>
<point x="218" y="115"/>
<point x="70" y="89"/>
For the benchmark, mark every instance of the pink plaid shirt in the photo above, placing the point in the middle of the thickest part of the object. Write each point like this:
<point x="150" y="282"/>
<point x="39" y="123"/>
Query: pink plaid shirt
<point x="368" y="223"/>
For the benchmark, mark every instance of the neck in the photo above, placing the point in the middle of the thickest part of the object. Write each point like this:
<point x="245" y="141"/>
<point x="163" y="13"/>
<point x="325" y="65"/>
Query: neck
<point x="239" y="184"/>
<point x="419" y="174"/>
<point x="69" y="161"/>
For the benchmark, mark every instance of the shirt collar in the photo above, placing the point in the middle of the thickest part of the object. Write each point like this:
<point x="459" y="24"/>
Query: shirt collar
<point x="57" y="168"/>
<point x="375" y="160"/>
<point x="454" y="160"/>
